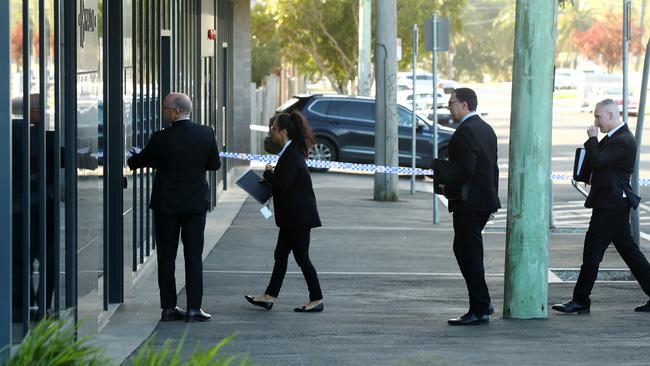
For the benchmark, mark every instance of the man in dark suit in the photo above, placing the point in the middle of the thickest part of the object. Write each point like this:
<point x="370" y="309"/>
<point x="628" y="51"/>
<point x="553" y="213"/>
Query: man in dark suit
<point x="181" y="154"/>
<point x="473" y="156"/>
<point x="612" y="162"/>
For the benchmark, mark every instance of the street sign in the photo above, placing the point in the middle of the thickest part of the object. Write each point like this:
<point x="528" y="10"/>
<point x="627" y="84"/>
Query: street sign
<point x="442" y="34"/>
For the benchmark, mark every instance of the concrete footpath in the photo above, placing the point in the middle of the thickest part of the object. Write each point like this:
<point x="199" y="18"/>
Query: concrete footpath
<point x="390" y="283"/>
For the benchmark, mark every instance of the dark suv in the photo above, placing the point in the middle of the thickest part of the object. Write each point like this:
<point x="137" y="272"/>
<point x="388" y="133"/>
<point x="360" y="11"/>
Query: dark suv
<point x="344" y="130"/>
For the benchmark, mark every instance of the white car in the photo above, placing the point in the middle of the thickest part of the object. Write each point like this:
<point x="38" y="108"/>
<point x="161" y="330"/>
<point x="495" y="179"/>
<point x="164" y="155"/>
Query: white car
<point x="614" y="92"/>
<point x="423" y="99"/>
<point x="566" y="79"/>
<point x="425" y="80"/>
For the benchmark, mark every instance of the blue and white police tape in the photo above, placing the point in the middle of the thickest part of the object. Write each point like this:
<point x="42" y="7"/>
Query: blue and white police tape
<point x="325" y="164"/>
<point x="369" y="168"/>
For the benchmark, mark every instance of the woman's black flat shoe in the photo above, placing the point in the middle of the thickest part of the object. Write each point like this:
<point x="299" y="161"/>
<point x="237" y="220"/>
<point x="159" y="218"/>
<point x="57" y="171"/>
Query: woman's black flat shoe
<point x="264" y="304"/>
<point x="315" y="309"/>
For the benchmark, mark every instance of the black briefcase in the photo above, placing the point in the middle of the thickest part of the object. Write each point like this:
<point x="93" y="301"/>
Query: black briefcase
<point x="445" y="181"/>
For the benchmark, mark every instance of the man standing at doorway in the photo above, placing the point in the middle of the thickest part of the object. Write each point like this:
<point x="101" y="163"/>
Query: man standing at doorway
<point x="473" y="154"/>
<point x="181" y="155"/>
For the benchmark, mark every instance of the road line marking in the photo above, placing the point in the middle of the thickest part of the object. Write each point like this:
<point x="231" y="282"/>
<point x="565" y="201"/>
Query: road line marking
<point x="422" y="274"/>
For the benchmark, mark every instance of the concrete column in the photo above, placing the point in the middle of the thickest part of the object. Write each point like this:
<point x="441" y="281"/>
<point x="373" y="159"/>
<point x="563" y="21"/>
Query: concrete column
<point x="526" y="271"/>
<point x="365" y="13"/>
<point x="386" y="188"/>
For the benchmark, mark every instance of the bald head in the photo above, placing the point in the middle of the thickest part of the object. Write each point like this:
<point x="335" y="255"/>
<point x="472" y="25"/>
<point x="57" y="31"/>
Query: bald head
<point x="607" y="115"/>
<point x="180" y="102"/>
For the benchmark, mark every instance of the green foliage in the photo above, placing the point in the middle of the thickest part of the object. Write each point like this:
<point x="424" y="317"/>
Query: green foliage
<point x="53" y="343"/>
<point x="418" y="12"/>
<point x="168" y="356"/>
<point x="485" y="44"/>
<point x="319" y="37"/>
<point x="265" y="44"/>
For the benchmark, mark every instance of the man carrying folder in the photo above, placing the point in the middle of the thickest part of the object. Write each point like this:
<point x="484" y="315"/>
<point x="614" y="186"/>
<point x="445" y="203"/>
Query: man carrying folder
<point x="609" y="165"/>
<point x="471" y="182"/>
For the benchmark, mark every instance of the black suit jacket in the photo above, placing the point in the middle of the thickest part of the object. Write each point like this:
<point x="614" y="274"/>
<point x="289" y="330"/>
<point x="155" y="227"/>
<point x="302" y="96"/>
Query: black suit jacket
<point x="181" y="154"/>
<point x="473" y="152"/>
<point x="293" y="195"/>
<point x="611" y="159"/>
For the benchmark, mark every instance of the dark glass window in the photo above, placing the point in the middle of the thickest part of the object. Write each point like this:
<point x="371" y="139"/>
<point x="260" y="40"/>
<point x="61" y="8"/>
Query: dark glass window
<point x="320" y="106"/>
<point x="353" y="109"/>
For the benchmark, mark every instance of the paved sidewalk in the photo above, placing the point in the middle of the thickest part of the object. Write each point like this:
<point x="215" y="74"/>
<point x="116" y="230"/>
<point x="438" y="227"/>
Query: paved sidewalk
<point x="390" y="283"/>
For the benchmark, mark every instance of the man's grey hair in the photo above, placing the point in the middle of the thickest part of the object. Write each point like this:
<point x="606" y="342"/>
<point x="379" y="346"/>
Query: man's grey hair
<point x="606" y="103"/>
<point x="181" y="102"/>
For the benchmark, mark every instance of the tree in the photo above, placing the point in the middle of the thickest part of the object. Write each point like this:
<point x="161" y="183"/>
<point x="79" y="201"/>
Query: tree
<point x="601" y="42"/>
<point x="265" y="44"/>
<point x="319" y="37"/>
<point x="419" y="12"/>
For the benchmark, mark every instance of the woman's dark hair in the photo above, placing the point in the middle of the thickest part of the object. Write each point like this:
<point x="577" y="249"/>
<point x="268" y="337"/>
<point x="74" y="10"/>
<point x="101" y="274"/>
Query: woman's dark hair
<point x="298" y="130"/>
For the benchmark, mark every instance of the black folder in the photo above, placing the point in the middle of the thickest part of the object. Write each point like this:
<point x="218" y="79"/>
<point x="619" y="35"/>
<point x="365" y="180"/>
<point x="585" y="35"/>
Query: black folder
<point x="445" y="173"/>
<point x="252" y="184"/>
<point x="581" y="168"/>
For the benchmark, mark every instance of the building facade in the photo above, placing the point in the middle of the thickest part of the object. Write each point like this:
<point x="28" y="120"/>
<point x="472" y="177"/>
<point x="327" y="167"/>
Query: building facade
<point x="81" y="82"/>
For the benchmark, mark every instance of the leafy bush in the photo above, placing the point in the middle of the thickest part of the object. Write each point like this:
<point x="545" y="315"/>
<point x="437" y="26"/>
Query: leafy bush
<point x="166" y="356"/>
<point x="53" y="343"/>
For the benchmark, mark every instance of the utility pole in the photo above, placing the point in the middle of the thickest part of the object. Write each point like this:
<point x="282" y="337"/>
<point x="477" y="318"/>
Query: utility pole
<point x="527" y="236"/>
<point x="365" y="13"/>
<point x="386" y="184"/>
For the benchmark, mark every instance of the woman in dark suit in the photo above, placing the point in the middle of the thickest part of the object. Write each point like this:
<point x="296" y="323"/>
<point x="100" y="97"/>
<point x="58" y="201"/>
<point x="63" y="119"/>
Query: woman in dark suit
<point x="295" y="209"/>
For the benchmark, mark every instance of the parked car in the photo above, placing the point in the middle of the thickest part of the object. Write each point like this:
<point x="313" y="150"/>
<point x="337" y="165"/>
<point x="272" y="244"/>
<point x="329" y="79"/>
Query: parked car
<point x="344" y="130"/>
<point x="423" y="99"/>
<point x="425" y="80"/>
<point x="614" y="92"/>
<point x="444" y="117"/>
<point x="566" y="79"/>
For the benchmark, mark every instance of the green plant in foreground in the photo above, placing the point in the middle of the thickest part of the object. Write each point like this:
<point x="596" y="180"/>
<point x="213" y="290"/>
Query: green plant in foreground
<point x="53" y="343"/>
<point x="167" y="356"/>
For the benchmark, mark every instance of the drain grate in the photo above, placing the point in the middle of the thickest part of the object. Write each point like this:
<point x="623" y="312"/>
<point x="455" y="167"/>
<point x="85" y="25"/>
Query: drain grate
<point x="571" y="274"/>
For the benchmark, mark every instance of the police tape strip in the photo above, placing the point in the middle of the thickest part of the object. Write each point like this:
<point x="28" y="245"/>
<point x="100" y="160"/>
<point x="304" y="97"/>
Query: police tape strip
<point x="369" y="168"/>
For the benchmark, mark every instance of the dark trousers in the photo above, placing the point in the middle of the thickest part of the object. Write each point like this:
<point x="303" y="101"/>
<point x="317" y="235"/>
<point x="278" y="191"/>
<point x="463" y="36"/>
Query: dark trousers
<point x="468" y="249"/>
<point x="609" y="227"/>
<point x="298" y="242"/>
<point x="190" y="227"/>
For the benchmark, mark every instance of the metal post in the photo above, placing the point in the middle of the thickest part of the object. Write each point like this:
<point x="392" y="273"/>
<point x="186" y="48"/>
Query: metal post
<point x="224" y="124"/>
<point x="436" y="214"/>
<point x="5" y="186"/>
<point x="365" y="25"/>
<point x="26" y="166"/>
<point x="386" y="148"/>
<point x="626" y="40"/>
<point x="527" y="235"/>
<point x="414" y="126"/>
<point x="42" y="156"/>
<point x="636" y="231"/>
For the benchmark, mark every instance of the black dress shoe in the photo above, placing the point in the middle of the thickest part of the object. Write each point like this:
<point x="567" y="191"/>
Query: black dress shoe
<point x="643" y="308"/>
<point x="571" y="307"/>
<point x="197" y="315"/>
<point x="469" y="319"/>
<point x="172" y="314"/>
<point x="314" y="309"/>
<point x="264" y="304"/>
